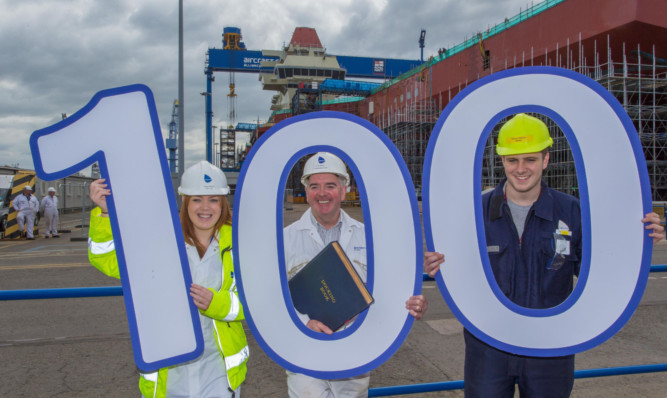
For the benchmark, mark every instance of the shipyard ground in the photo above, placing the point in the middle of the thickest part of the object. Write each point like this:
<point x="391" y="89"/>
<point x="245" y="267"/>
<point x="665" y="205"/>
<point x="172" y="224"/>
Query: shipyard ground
<point x="81" y="347"/>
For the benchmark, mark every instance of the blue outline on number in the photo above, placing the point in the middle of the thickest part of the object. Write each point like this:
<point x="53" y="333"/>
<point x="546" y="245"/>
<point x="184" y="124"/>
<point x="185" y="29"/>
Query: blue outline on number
<point x="368" y="224"/>
<point x="417" y="227"/>
<point x="585" y="208"/>
<point x="115" y="229"/>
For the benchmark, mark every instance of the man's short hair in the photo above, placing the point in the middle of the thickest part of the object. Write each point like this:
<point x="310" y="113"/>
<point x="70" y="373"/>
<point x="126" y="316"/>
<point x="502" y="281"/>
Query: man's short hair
<point x="342" y="180"/>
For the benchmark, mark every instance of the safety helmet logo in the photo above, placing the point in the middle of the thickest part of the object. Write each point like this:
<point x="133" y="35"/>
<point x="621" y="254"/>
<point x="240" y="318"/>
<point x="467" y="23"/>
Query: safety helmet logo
<point x="324" y="162"/>
<point x="203" y="178"/>
<point x="519" y="140"/>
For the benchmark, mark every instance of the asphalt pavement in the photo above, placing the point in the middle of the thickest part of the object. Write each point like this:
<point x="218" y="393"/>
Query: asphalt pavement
<point x="81" y="347"/>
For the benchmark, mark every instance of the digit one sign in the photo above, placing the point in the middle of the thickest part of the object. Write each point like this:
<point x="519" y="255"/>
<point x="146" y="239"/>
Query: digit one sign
<point x="119" y="129"/>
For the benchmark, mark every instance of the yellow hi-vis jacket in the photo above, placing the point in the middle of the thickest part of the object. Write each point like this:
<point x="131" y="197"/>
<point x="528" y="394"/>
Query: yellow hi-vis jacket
<point x="225" y="309"/>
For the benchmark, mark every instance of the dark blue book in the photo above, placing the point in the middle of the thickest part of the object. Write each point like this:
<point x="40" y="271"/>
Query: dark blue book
<point x="328" y="288"/>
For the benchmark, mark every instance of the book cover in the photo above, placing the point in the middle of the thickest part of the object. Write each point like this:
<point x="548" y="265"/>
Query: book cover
<point x="328" y="288"/>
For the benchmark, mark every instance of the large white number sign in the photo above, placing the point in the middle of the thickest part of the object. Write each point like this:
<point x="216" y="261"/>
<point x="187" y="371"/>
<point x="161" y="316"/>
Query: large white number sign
<point x="393" y="241"/>
<point x="615" y="194"/>
<point x="119" y="129"/>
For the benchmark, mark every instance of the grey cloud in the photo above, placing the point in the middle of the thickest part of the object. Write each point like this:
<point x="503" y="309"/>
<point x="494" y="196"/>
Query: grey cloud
<point x="57" y="54"/>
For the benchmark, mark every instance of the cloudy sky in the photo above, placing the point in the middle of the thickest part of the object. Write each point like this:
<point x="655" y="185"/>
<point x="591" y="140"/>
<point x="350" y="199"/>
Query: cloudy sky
<point x="56" y="54"/>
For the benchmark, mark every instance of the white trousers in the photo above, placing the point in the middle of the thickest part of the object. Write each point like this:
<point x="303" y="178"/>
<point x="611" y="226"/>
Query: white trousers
<point x="302" y="386"/>
<point x="26" y="220"/>
<point x="51" y="216"/>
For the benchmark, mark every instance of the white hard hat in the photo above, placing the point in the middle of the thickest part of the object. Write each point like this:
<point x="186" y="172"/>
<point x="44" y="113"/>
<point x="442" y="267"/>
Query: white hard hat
<point x="27" y="187"/>
<point x="324" y="162"/>
<point x="51" y="189"/>
<point x="203" y="178"/>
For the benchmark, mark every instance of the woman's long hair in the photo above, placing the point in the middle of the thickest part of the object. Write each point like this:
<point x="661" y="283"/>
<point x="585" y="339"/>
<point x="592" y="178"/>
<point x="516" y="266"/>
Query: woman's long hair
<point x="189" y="229"/>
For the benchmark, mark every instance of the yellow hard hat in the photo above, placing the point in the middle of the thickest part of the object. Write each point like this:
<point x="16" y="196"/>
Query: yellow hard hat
<point x="523" y="134"/>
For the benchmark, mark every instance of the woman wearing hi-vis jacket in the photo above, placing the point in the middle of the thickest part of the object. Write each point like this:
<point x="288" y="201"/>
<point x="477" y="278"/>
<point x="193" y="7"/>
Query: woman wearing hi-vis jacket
<point x="206" y="220"/>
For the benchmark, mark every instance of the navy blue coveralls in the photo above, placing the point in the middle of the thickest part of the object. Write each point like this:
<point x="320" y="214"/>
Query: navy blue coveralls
<point x="521" y="266"/>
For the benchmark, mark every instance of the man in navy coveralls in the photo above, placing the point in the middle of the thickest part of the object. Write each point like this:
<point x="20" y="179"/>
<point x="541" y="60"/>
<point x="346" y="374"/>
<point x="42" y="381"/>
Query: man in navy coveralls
<point x="533" y="236"/>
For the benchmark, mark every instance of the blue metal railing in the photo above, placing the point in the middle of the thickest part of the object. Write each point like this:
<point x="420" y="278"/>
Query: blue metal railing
<point x="659" y="268"/>
<point x="105" y="291"/>
<point x="458" y="384"/>
<point x="654" y="268"/>
<point x="74" y="292"/>
<point x="415" y="388"/>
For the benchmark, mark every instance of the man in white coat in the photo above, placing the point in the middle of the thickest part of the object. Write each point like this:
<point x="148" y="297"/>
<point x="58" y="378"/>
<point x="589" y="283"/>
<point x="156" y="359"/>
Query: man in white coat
<point x="326" y="179"/>
<point x="26" y="206"/>
<point x="49" y="206"/>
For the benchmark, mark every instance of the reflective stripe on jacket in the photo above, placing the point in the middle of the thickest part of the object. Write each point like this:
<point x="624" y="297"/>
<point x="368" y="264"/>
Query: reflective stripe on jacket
<point x="225" y="309"/>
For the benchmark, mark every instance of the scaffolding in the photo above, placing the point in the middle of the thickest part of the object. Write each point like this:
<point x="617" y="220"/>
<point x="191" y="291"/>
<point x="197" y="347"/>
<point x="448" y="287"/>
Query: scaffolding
<point x="409" y="128"/>
<point x="638" y="80"/>
<point x="408" y="118"/>
<point x="227" y="149"/>
<point x="641" y="88"/>
<point x="306" y="99"/>
<point x="343" y="104"/>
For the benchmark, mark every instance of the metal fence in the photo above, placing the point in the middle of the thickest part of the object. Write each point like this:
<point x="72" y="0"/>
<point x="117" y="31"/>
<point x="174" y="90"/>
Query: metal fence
<point x="33" y="294"/>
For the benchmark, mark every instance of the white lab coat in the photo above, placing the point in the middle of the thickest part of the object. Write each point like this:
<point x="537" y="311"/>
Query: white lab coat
<point x="206" y="375"/>
<point x="302" y="243"/>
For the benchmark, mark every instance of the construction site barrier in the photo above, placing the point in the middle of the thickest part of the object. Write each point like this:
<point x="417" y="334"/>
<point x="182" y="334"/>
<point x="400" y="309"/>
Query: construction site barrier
<point x="32" y="294"/>
<point x="75" y="292"/>
<point x="458" y="384"/>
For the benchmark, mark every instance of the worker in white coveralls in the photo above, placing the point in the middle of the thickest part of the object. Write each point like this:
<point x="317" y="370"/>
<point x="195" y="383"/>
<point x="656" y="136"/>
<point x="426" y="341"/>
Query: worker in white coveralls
<point x="49" y="206"/>
<point x="325" y="179"/>
<point x="206" y="219"/>
<point x="26" y="206"/>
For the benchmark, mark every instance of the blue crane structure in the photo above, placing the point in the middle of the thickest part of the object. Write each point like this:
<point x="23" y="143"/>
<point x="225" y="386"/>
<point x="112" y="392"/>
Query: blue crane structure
<point x="234" y="57"/>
